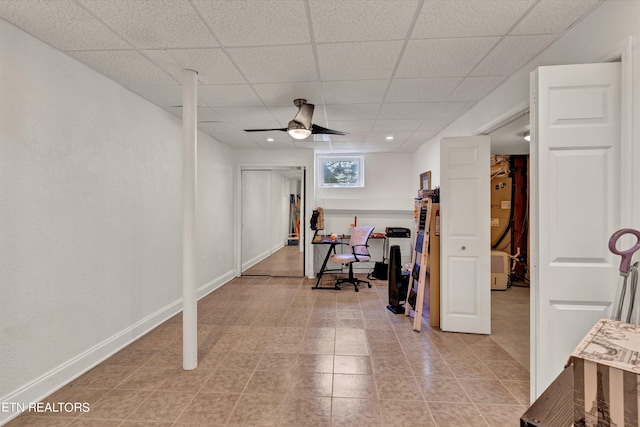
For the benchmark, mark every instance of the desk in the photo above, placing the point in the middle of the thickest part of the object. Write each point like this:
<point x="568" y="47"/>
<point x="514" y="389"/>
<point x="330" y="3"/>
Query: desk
<point x="325" y="240"/>
<point x="342" y="240"/>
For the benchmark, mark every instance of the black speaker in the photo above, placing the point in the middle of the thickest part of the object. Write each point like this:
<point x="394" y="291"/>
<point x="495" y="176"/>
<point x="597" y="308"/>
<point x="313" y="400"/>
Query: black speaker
<point x="398" y="283"/>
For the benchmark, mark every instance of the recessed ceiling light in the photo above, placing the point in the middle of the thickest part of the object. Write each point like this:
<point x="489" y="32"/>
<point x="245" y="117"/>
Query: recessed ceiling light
<point x="270" y="139"/>
<point x="389" y="138"/>
<point x="527" y="136"/>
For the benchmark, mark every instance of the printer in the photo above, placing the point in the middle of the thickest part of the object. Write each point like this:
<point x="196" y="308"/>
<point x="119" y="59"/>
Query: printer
<point x="398" y="232"/>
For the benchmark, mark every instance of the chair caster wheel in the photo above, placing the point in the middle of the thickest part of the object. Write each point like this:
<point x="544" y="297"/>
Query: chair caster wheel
<point x="369" y="284"/>
<point x="357" y="290"/>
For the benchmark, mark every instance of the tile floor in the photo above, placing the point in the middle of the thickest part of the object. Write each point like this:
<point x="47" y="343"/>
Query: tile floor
<point x="273" y="352"/>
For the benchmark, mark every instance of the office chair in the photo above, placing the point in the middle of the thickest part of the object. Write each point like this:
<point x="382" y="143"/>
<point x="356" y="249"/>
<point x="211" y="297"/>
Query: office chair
<point x="359" y="253"/>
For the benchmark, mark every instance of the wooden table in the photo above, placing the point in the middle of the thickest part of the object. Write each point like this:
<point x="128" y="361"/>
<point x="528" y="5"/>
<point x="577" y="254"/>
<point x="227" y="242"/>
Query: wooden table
<point x="554" y="407"/>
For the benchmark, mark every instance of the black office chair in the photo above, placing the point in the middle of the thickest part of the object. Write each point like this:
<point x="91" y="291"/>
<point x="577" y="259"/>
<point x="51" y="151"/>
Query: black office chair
<point x="359" y="253"/>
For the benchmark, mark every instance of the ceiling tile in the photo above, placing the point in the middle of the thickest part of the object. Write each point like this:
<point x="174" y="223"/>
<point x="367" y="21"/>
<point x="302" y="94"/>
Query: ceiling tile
<point x="275" y="64"/>
<point x="276" y="145"/>
<point x="213" y="65"/>
<point x="405" y="110"/>
<point x="354" y="92"/>
<point x="162" y="95"/>
<point x="256" y="22"/>
<point x="229" y="95"/>
<point x="352" y="126"/>
<point x="361" y="20"/>
<point x="355" y="61"/>
<point x="443" y="57"/>
<point x="240" y="114"/>
<point x="420" y="137"/>
<point x="124" y="66"/>
<point x="396" y="125"/>
<point x="475" y="88"/>
<point x="168" y="24"/>
<point x="164" y="61"/>
<point x="286" y="93"/>
<point x="205" y="114"/>
<point x="433" y="125"/>
<point x="352" y="137"/>
<point x="553" y="16"/>
<point x="468" y="18"/>
<point x="49" y="22"/>
<point x="449" y="110"/>
<point x="352" y="112"/>
<point x="380" y="138"/>
<point x="511" y="54"/>
<point x="421" y="90"/>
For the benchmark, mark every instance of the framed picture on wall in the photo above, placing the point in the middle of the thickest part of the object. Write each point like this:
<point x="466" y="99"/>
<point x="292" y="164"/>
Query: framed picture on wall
<point x="425" y="181"/>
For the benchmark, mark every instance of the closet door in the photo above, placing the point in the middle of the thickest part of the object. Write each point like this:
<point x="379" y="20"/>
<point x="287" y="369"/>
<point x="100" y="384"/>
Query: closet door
<point x="575" y="207"/>
<point x="465" y="293"/>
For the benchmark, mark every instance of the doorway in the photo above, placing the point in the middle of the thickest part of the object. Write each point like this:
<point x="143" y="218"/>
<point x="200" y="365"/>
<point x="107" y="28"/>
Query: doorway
<point x="272" y="221"/>
<point x="510" y="323"/>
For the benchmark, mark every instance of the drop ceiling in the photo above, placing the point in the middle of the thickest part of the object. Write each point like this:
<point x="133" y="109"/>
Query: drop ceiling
<point x="392" y="73"/>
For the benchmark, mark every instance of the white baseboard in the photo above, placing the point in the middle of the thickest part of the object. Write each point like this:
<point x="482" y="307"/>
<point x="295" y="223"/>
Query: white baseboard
<point x="248" y="264"/>
<point x="62" y="375"/>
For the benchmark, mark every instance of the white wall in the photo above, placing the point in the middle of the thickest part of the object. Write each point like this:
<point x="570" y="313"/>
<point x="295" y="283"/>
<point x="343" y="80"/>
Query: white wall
<point x="91" y="231"/>
<point x="603" y="29"/>
<point x="386" y="200"/>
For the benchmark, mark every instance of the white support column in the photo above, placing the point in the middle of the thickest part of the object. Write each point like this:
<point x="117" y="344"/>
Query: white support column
<point x="189" y="166"/>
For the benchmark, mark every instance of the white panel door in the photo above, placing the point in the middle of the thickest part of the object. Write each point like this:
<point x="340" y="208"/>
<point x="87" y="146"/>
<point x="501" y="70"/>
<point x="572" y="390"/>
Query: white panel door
<point x="575" y="207"/>
<point x="465" y="245"/>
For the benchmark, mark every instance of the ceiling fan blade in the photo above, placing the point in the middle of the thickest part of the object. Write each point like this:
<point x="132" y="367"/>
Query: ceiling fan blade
<point x="320" y="129"/>
<point x="305" y="112"/>
<point x="265" y="130"/>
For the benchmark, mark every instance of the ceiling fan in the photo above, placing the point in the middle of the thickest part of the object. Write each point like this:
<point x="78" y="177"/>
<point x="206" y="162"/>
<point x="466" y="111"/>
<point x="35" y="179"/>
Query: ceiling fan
<point x="301" y="127"/>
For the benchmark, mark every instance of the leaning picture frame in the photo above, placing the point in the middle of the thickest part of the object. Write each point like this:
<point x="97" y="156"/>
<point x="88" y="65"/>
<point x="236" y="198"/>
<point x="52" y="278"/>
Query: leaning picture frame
<point x="425" y="181"/>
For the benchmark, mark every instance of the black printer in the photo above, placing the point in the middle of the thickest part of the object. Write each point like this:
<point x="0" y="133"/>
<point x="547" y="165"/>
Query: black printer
<point x="398" y="232"/>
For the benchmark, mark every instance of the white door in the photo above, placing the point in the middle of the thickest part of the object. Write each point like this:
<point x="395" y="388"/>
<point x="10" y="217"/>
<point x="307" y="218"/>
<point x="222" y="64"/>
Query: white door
<point x="575" y="207"/>
<point x="465" y="245"/>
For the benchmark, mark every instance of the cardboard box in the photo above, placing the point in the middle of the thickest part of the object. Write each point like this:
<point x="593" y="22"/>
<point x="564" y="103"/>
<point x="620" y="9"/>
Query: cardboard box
<point x="606" y="368"/>
<point x="500" y="208"/>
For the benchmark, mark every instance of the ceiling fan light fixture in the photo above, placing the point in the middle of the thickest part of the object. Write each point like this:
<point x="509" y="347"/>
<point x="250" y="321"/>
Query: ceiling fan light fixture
<point x="297" y="130"/>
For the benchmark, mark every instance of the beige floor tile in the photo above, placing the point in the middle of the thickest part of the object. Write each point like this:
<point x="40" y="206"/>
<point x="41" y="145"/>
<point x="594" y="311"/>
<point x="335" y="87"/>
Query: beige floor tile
<point x="104" y="376"/>
<point x="257" y="409"/>
<point x="442" y="389"/>
<point x="236" y="361"/>
<point x="209" y="409"/>
<point x="354" y="386"/>
<point x="397" y="387"/>
<point x="456" y="415"/>
<point x="501" y="415"/>
<point x="162" y="406"/>
<point x="519" y="389"/>
<point x="351" y="348"/>
<point x="266" y="382"/>
<point x="488" y="392"/>
<point x="508" y="370"/>
<point x="117" y="404"/>
<point x="314" y="363"/>
<point x="313" y="346"/>
<point x="426" y="366"/>
<point x="226" y="381"/>
<point x="355" y="412"/>
<point x="405" y="413"/>
<point x="298" y="411"/>
<point x="352" y="365"/>
<point x="389" y="365"/>
<point x="277" y="362"/>
<point x="311" y="384"/>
